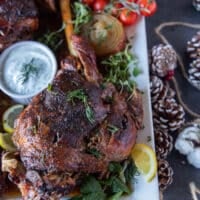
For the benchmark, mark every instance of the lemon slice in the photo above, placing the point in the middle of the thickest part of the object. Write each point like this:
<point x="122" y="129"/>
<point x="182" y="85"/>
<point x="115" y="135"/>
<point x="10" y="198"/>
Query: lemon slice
<point x="145" y="160"/>
<point x="9" y="117"/>
<point x="6" y="142"/>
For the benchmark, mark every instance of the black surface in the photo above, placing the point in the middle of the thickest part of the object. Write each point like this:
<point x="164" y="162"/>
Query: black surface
<point x="178" y="10"/>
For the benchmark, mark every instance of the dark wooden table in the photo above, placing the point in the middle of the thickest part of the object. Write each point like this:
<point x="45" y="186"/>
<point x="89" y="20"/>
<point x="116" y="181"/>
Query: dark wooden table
<point x="178" y="10"/>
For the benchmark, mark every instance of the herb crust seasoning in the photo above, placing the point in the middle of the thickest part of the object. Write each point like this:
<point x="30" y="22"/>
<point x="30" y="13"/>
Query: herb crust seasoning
<point x="78" y="128"/>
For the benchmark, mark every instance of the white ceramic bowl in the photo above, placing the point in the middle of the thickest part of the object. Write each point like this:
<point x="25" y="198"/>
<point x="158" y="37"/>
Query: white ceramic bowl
<point x="30" y="47"/>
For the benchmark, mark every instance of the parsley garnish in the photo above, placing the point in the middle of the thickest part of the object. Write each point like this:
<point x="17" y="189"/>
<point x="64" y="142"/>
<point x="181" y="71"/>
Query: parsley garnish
<point x="116" y="185"/>
<point x="117" y="69"/>
<point x="80" y="95"/>
<point x="28" y="69"/>
<point x="115" y="167"/>
<point x="130" y="171"/>
<point x="111" y="188"/>
<point x="91" y="190"/>
<point x="82" y="15"/>
<point x="112" y="129"/>
<point x="53" y="39"/>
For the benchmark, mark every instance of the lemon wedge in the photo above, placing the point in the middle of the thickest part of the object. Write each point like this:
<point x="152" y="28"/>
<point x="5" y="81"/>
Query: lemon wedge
<point x="6" y="142"/>
<point x="145" y="160"/>
<point x="9" y="117"/>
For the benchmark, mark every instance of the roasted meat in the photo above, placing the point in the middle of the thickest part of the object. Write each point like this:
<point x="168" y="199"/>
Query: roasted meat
<point x="49" y="5"/>
<point x="61" y="138"/>
<point x="18" y="20"/>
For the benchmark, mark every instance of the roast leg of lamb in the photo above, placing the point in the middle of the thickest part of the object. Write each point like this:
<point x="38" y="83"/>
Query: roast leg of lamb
<point x="58" y="133"/>
<point x="18" y="20"/>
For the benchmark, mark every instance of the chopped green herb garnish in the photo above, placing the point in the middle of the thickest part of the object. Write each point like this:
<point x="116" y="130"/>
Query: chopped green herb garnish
<point x="89" y="113"/>
<point x="137" y="71"/>
<point x="82" y="15"/>
<point x="53" y="39"/>
<point x="80" y="95"/>
<point x="112" y="129"/>
<point x="101" y="36"/>
<point x="28" y="69"/>
<point x="49" y="88"/>
<point x="117" y="69"/>
<point x="94" y="152"/>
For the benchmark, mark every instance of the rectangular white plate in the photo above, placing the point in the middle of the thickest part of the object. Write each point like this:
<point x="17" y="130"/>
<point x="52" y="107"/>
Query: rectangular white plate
<point x="142" y="189"/>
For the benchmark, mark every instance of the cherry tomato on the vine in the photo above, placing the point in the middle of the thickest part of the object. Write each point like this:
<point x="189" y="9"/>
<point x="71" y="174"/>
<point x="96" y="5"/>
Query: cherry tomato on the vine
<point x="116" y="9"/>
<point x="99" y="5"/>
<point x="88" y="2"/>
<point x="132" y="1"/>
<point x="148" y="7"/>
<point x="128" y="17"/>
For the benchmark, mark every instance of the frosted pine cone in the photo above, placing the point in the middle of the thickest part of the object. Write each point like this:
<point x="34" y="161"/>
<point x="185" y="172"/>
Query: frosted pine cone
<point x="164" y="143"/>
<point x="194" y="73"/>
<point x="193" y="46"/>
<point x="163" y="60"/>
<point x="170" y="93"/>
<point x="168" y="114"/>
<point x="165" y="174"/>
<point x="159" y="90"/>
<point x="196" y="4"/>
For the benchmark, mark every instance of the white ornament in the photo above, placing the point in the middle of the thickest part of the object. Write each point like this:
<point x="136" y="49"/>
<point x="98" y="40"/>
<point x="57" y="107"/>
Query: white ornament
<point x="188" y="143"/>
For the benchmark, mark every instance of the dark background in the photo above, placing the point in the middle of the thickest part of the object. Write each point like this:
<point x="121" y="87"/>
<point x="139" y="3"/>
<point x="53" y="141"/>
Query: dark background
<point x="178" y="10"/>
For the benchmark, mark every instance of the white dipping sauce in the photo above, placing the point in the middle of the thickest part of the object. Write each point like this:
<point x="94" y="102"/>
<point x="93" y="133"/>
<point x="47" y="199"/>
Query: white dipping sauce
<point x="26" y="70"/>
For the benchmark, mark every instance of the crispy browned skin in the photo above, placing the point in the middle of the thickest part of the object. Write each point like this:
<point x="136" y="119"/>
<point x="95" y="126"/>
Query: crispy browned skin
<point x="49" y="5"/>
<point x="18" y="20"/>
<point x="54" y="136"/>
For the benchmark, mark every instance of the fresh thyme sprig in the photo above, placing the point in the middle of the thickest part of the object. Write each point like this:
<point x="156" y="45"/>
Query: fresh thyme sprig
<point x="53" y="39"/>
<point x="28" y="69"/>
<point x="82" y="15"/>
<point x="80" y="95"/>
<point x="118" y="71"/>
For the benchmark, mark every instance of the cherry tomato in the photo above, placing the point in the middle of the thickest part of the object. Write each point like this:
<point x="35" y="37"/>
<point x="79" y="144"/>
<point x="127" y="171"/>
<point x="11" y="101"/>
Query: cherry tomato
<point x="116" y="9"/>
<point x="128" y="17"/>
<point x="88" y="2"/>
<point x="118" y="5"/>
<point x="132" y="1"/>
<point x="148" y="7"/>
<point x="99" y="5"/>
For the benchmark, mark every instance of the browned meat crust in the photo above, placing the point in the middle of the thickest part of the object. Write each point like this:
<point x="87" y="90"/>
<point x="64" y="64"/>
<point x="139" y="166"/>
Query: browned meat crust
<point x="55" y="137"/>
<point x="49" y="5"/>
<point x="18" y="20"/>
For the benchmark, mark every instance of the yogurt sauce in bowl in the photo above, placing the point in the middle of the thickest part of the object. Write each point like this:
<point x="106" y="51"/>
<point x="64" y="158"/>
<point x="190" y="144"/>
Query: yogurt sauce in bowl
<point x="26" y="68"/>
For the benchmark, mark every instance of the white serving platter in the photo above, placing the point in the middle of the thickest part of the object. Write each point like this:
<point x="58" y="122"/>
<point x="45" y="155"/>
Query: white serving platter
<point x="142" y="189"/>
